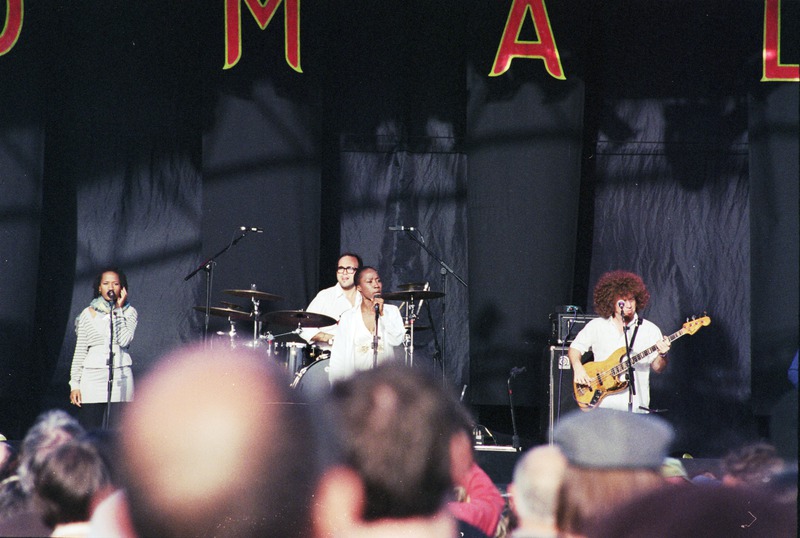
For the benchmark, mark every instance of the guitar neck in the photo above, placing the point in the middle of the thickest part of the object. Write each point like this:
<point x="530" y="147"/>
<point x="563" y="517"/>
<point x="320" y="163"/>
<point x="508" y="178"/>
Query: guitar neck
<point x="642" y="354"/>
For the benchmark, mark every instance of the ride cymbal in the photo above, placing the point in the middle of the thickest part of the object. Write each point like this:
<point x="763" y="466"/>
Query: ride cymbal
<point x="411" y="295"/>
<point x="254" y="294"/>
<point x="229" y="313"/>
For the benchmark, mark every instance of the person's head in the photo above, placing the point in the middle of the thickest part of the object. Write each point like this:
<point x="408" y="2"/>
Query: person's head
<point x="707" y="511"/>
<point x="368" y="282"/>
<point x="110" y="278"/>
<point x="753" y="464"/>
<point x="534" y="491"/>
<point x="346" y="268"/>
<point x="72" y="478"/>
<point x="398" y="429"/>
<point x="612" y="457"/>
<point x="616" y="286"/>
<point x="51" y="429"/>
<point x="213" y="444"/>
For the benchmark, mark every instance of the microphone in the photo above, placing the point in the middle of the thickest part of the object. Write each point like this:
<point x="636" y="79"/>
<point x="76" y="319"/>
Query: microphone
<point x="251" y="229"/>
<point x="621" y="304"/>
<point x="401" y="228"/>
<point x="377" y="306"/>
<point x="515" y="371"/>
<point x="112" y="296"/>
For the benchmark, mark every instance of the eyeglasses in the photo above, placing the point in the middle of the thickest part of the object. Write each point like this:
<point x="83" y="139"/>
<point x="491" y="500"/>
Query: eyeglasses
<point x="349" y="270"/>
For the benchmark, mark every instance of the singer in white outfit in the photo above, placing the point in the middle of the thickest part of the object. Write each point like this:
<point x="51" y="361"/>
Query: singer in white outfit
<point x="109" y="319"/>
<point x="354" y="346"/>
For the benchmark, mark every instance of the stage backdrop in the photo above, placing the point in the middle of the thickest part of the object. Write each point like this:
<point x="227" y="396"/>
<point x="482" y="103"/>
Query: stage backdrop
<point x="626" y="135"/>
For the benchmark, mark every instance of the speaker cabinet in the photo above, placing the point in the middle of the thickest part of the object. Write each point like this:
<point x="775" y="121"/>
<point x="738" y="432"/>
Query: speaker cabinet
<point x="558" y="387"/>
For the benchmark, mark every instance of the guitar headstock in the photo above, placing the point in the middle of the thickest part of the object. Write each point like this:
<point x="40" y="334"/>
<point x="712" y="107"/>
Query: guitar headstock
<point x="693" y="325"/>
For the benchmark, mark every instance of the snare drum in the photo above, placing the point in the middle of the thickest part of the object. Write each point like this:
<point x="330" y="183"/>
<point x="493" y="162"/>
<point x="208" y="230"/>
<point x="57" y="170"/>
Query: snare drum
<point x="312" y="381"/>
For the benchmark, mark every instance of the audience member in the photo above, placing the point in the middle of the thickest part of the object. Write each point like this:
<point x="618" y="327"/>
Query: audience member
<point x="710" y="512"/>
<point x="73" y="477"/>
<point x="213" y="446"/>
<point x="478" y="502"/>
<point x="401" y="432"/>
<point x="674" y="472"/>
<point x="613" y="458"/>
<point x="50" y="430"/>
<point x="753" y="465"/>
<point x="534" y="492"/>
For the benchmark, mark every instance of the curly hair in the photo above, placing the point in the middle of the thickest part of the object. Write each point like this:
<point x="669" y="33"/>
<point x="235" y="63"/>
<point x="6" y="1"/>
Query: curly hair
<point x="123" y="280"/>
<point x="616" y="284"/>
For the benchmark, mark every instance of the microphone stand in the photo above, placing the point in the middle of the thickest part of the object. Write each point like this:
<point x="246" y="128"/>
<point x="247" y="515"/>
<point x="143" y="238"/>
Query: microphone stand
<point x="375" y="337"/>
<point x="515" y="436"/>
<point x="208" y="267"/>
<point x="631" y="382"/>
<point x="110" y="363"/>
<point x="444" y="270"/>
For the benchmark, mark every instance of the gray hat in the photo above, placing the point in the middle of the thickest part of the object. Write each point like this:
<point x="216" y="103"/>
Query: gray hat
<point x="608" y="439"/>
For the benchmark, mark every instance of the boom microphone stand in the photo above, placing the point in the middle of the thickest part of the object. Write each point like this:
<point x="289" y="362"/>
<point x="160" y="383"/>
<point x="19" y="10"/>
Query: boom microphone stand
<point x="444" y="271"/>
<point x="208" y="267"/>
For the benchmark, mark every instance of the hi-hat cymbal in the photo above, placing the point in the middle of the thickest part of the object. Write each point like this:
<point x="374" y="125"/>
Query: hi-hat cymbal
<point x="254" y="294"/>
<point x="226" y="312"/>
<point x="293" y="318"/>
<point x="411" y="295"/>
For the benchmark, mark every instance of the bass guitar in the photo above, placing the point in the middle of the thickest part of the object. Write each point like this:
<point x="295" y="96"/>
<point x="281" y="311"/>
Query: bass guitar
<point x="610" y="376"/>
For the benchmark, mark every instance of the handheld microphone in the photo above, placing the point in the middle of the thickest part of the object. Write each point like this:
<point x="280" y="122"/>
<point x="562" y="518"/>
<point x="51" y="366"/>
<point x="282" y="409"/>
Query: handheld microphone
<point x="112" y="296"/>
<point x="251" y="229"/>
<point x="401" y="228"/>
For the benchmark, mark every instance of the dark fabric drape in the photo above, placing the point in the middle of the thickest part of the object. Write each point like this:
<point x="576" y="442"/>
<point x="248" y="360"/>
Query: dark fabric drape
<point x="424" y="190"/>
<point x="660" y="210"/>
<point x="774" y="240"/>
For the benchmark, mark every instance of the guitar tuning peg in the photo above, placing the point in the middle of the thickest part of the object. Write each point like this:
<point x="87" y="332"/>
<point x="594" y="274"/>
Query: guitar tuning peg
<point x="694" y="318"/>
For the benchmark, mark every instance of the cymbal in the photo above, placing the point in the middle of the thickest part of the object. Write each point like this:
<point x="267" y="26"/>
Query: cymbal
<point x="412" y="286"/>
<point x="232" y="305"/>
<point x="226" y="312"/>
<point x="254" y="294"/>
<point x="298" y="317"/>
<point x="411" y="295"/>
<point x="291" y="338"/>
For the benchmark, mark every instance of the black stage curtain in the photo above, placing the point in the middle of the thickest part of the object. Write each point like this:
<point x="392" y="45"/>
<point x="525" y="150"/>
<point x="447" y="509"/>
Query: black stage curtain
<point x="122" y="140"/>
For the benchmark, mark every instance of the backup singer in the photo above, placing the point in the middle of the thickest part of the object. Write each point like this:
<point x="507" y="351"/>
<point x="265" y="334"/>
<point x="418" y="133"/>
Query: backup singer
<point x="89" y="373"/>
<point x="353" y="348"/>
<point x="605" y="335"/>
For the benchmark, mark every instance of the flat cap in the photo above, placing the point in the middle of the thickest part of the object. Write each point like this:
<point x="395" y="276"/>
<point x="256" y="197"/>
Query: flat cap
<point x="609" y="439"/>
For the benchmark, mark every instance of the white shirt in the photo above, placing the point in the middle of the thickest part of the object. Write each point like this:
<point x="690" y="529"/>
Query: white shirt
<point x="352" y="348"/>
<point x="602" y="337"/>
<point x="329" y="302"/>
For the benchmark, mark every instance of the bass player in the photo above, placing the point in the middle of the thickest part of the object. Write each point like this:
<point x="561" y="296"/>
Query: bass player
<point x="618" y="297"/>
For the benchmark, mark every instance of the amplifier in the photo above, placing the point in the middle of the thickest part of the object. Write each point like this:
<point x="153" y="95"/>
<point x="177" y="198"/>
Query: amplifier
<point x="564" y="327"/>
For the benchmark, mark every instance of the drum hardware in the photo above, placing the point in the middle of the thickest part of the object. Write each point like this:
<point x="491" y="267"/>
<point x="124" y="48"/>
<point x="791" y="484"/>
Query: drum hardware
<point x="312" y="382"/>
<point x="413" y="297"/>
<point x="255" y="296"/>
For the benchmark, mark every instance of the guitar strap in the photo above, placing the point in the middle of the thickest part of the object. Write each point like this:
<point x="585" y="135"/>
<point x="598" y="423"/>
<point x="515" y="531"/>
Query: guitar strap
<point x="635" y="332"/>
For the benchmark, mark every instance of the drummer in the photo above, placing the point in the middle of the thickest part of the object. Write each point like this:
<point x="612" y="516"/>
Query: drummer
<point x="334" y="301"/>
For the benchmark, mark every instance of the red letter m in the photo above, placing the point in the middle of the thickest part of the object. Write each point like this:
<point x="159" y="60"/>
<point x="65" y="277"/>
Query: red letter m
<point x="13" y="25"/>
<point x="262" y="13"/>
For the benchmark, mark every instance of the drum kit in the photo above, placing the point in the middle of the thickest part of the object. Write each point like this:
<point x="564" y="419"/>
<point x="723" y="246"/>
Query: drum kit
<point x="305" y="365"/>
